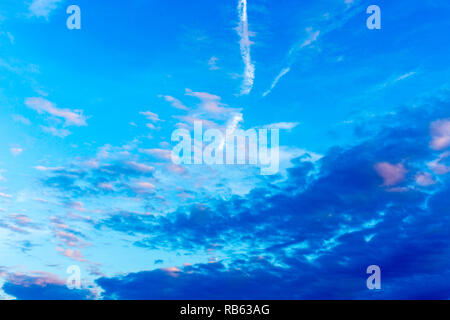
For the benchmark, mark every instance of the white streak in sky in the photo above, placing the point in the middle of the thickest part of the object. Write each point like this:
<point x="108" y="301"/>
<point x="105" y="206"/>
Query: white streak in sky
<point x="280" y="75"/>
<point x="245" y="43"/>
<point x="353" y="7"/>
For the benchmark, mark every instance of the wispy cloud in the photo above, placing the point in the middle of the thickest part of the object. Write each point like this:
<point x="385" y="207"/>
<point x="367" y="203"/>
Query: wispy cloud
<point x="323" y="27"/>
<point x="281" y="75"/>
<point x="174" y="102"/>
<point x="213" y="63"/>
<point x="245" y="43"/>
<point x="71" y="117"/>
<point x="21" y="119"/>
<point x="151" y="116"/>
<point x="61" y="133"/>
<point x="282" y="125"/>
<point x="5" y="195"/>
<point x="43" y="8"/>
<point x="16" y="151"/>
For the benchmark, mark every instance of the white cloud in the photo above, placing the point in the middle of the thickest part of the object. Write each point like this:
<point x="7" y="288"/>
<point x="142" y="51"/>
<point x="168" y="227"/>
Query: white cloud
<point x="61" y="133"/>
<point x="213" y="63"/>
<point x="280" y="75"/>
<point x="404" y="76"/>
<point x="16" y="151"/>
<point x="43" y="8"/>
<point x="245" y="43"/>
<point x="282" y="125"/>
<point x="71" y="117"/>
<point x="4" y="195"/>
<point x="21" y="119"/>
<point x="150" y="116"/>
<point x="174" y="102"/>
<point x="326" y="24"/>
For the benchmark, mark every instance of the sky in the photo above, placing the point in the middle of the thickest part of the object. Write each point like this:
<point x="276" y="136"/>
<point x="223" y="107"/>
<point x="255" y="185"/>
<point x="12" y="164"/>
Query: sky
<point x="87" y="178"/>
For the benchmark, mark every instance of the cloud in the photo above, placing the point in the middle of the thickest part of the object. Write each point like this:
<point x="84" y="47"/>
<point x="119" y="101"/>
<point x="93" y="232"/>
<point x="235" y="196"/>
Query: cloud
<point x="43" y="8"/>
<point x="5" y="195"/>
<point x="391" y="174"/>
<point x="425" y="179"/>
<point x="61" y="133"/>
<point x="210" y="103"/>
<point x="143" y="187"/>
<point x="175" y="102"/>
<point x="328" y="217"/>
<point x="21" y="119"/>
<point x="72" y="254"/>
<point x="150" y="116"/>
<point x="16" y="151"/>
<point x="213" y="63"/>
<point x="440" y="133"/>
<point x="323" y="26"/>
<point x="282" y="125"/>
<point x="277" y="78"/>
<point x="245" y="43"/>
<point x="42" y="286"/>
<point x="158" y="153"/>
<point x="71" y="118"/>
<point x="405" y="76"/>
<point x="312" y="37"/>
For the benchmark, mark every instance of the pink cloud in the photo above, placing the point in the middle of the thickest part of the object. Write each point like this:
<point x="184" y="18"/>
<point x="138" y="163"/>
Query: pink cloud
<point x="21" y="220"/>
<point x="5" y="195"/>
<point x="106" y="186"/>
<point x="176" y="168"/>
<point x="209" y="102"/>
<point x="16" y="151"/>
<point x="175" y="102"/>
<point x="73" y="254"/>
<point x="38" y="278"/>
<point x="140" y="167"/>
<point x="440" y="133"/>
<point x="425" y="179"/>
<point x="391" y="174"/>
<point x="71" y="117"/>
<point x="143" y="187"/>
<point x="437" y="166"/>
<point x="173" y="272"/>
<point x="150" y="116"/>
<point x="60" y="133"/>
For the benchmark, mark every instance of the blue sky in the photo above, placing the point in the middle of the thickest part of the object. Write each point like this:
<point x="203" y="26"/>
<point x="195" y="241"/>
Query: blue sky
<point x="85" y="171"/>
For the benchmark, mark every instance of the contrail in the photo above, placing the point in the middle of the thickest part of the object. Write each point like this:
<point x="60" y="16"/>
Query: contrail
<point x="280" y="75"/>
<point x="249" y="72"/>
<point x="341" y="18"/>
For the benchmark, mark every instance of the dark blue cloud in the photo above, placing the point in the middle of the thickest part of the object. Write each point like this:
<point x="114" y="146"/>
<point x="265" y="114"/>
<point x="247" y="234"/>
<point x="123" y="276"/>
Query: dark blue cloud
<point x="45" y="292"/>
<point x="316" y="233"/>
